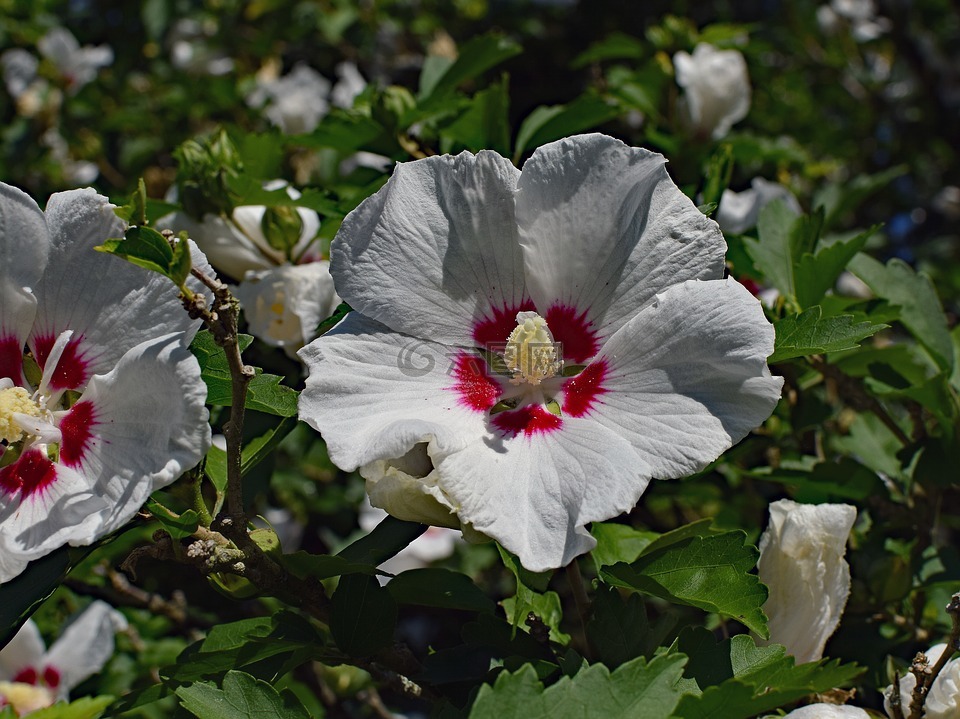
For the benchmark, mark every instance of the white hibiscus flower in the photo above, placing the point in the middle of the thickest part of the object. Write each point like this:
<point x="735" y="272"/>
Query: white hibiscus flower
<point x="588" y="339"/>
<point x="33" y="677"/>
<point x="801" y="562"/>
<point x="108" y="405"/>
<point x="285" y="288"/>
<point x="716" y="89"/>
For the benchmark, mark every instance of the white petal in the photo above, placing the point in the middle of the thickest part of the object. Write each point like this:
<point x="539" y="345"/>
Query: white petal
<point x="535" y="492"/>
<point x="604" y="228"/>
<point x="26" y="649"/>
<point x="373" y="394"/>
<point x="131" y="434"/>
<point x="57" y="505"/>
<point x="24" y="246"/>
<point x="284" y="305"/>
<point x="410" y="490"/>
<point x="110" y="304"/>
<point x="802" y="564"/>
<point x="225" y="246"/>
<point x="85" y="645"/>
<point x="828" y="711"/>
<point x="686" y="378"/>
<point x="434" y="253"/>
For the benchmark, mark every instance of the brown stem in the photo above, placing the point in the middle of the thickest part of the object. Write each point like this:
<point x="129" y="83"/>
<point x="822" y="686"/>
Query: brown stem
<point x="927" y="675"/>
<point x="852" y="392"/>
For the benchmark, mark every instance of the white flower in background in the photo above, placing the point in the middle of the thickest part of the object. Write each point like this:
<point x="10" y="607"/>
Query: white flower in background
<point x="350" y="84"/>
<point x="943" y="701"/>
<point x="295" y="102"/>
<point x="860" y="15"/>
<point x="240" y="244"/>
<point x="739" y="211"/>
<point x="716" y="89"/>
<point x="433" y="545"/>
<point x="77" y="65"/>
<point x="75" y="172"/>
<point x="33" y="677"/>
<point x="590" y="257"/>
<point x="19" y="70"/>
<point x="802" y="564"/>
<point x="284" y="305"/>
<point x="285" y="288"/>
<point x="89" y="425"/>
<point x="827" y="711"/>
<point x="190" y="51"/>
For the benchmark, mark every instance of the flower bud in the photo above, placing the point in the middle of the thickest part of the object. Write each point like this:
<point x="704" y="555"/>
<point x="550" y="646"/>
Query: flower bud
<point x="801" y="562"/>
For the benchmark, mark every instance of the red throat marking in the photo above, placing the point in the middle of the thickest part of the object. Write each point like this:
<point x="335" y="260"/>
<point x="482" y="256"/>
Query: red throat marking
<point x="72" y="370"/>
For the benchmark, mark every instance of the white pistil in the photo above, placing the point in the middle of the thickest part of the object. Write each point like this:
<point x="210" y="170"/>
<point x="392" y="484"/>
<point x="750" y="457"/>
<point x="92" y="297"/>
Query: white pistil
<point x="43" y="394"/>
<point x="531" y="352"/>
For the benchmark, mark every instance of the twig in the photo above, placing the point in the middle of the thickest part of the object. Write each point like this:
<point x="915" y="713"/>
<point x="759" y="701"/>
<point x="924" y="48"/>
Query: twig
<point x="921" y="669"/>
<point x="853" y="393"/>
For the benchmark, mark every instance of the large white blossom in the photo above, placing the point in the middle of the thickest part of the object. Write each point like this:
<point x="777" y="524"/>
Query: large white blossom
<point x="802" y="563"/>
<point x="90" y="347"/>
<point x="33" y="677"/>
<point x="739" y="211"/>
<point x="943" y="701"/>
<point x="285" y="290"/>
<point x="716" y="89"/>
<point x="591" y="285"/>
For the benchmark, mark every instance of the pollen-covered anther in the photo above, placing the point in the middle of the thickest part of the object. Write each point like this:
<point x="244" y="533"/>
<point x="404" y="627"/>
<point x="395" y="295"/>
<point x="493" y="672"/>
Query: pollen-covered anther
<point x="14" y="401"/>
<point x="531" y="352"/>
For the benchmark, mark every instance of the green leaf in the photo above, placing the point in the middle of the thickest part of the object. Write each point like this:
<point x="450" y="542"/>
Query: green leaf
<point x="135" y="211"/>
<point x="711" y="573"/>
<point x="546" y="607"/>
<point x="619" y="629"/>
<point x="147" y="248"/>
<point x="85" y="708"/>
<point x="485" y="124"/>
<point x="264" y="392"/>
<point x="323" y="566"/>
<point x="618" y="543"/>
<point x="338" y="314"/>
<point x="719" y="170"/>
<point x="735" y="679"/>
<point x="242" y="697"/>
<point x="616" y="46"/>
<point x="531" y="587"/>
<point x="840" y="198"/>
<point x="810" y="333"/>
<point x="363" y="615"/>
<point x="177" y="526"/>
<point x="548" y="123"/>
<point x="435" y="587"/>
<point x="815" y="273"/>
<point x="920" y="309"/>
<point x="783" y="237"/>
<point x="22" y="595"/>
<point x="385" y="541"/>
<point x="636" y="689"/>
<point x="474" y="58"/>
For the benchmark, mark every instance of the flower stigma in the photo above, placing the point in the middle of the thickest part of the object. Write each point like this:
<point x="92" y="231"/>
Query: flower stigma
<point x="531" y="352"/>
<point x="15" y="401"/>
